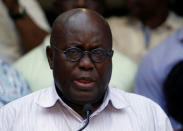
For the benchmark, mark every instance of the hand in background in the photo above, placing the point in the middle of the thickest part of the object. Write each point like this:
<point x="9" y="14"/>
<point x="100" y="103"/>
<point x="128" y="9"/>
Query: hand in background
<point x="30" y="33"/>
<point x="12" y="6"/>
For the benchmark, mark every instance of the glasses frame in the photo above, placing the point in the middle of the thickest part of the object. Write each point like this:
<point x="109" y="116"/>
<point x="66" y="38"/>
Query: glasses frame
<point x="108" y="53"/>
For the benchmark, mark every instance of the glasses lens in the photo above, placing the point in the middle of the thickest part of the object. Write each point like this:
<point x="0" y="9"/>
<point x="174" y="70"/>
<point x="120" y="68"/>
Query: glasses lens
<point x="73" y="54"/>
<point x="98" y="55"/>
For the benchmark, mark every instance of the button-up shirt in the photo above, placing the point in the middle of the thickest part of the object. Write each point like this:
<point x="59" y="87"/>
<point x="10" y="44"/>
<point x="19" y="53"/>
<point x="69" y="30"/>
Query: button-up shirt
<point x="120" y="111"/>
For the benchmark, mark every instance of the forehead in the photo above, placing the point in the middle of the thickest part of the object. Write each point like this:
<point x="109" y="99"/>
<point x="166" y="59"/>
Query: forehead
<point x="83" y="29"/>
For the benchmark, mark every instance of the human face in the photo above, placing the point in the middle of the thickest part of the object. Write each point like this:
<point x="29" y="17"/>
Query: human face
<point x="145" y="8"/>
<point x="84" y="81"/>
<point x="60" y="6"/>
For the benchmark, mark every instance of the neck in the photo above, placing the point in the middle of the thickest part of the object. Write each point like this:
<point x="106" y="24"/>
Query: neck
<point x="155" y="19"/>
<point x="79" y="108"/>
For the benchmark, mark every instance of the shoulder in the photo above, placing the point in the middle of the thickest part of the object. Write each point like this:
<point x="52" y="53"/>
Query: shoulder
<point x="16" y="110"/>
<point x="116" y="19"/>
<point x="23" y="103"/>
<point x="175" y="20"/>
<point x="171" y="48"/>
<point x="143" y="110"/>
<point x="138" y="103"/>
<point x="20" y="109"/>
<point x="119" y="23"/>
<point x="166" y="48"/>
<point x="132" y="99"/>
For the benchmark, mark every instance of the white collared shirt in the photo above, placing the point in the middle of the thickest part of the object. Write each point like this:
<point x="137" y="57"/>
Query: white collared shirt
<point x="120" y="111"/>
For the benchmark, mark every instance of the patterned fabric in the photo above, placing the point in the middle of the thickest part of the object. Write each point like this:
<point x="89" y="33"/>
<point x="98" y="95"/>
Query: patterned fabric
<point x="12" y="84"/>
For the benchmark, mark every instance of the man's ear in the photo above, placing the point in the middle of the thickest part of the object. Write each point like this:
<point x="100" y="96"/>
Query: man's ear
<point x="50" y="56"/>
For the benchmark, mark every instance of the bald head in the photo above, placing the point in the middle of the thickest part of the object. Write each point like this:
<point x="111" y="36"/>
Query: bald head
<point x="83" y="20"/>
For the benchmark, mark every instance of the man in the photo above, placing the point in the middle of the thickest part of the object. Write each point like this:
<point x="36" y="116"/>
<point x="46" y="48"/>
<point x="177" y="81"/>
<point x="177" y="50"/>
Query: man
<point x="149" y="22"/>
<point x="155" y="68"/>
<point x="80" y="58"/>
<point x="37" y="65"/>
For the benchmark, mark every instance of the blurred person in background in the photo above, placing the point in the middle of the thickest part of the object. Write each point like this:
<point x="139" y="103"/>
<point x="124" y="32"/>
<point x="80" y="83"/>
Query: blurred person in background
<point x="60" y="6"/>
<point x="36" y="70"/>
<point x="173" y="91"/>
<point x="22" y="27"/>
<point x="12" y="84"/>
<point x="149" y="22"/>
<point x="154" y="69"/>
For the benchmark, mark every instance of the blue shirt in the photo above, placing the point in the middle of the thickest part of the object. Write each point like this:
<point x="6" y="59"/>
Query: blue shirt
<point x="155" y="67"/>
<point x="12" y="84"/>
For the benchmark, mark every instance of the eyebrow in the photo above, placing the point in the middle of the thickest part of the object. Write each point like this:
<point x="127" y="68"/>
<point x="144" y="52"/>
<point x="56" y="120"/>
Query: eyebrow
<point x="78" y="45"/>
<point x="73" y="44"/>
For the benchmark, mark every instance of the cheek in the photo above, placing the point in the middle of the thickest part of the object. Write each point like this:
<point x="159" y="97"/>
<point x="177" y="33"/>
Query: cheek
<point x="104" y="72"/>
<point x="62" y="72"/>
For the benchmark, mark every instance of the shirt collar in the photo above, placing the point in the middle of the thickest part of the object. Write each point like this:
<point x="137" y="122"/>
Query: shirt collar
<point x="49" y="97"/>
<point x="116" y="98"/>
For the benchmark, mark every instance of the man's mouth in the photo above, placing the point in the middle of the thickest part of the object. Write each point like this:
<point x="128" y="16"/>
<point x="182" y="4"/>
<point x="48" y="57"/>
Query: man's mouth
<point x="84" y="84"/>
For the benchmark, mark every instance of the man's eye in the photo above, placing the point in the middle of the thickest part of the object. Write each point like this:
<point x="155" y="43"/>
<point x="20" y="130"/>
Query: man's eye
<point x="98" y="52"/>
<point x="73" y="53"/>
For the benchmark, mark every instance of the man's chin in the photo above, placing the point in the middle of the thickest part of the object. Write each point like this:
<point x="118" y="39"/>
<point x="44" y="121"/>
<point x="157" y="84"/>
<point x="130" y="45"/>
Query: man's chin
<point x="83" y="102"/>
<point x="87" y="100"/>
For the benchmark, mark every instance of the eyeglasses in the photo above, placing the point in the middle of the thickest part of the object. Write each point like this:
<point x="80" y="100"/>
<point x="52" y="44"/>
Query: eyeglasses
<point x="75" y="54"/>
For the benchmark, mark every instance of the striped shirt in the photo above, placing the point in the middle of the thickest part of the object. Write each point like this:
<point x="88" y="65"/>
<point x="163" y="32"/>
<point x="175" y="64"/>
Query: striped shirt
<point x="120" y="111"/>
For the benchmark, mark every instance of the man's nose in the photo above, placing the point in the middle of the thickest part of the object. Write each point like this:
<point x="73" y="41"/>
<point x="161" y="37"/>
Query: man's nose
<point x="86" y="63"/>
<point x="80" y="4"/>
